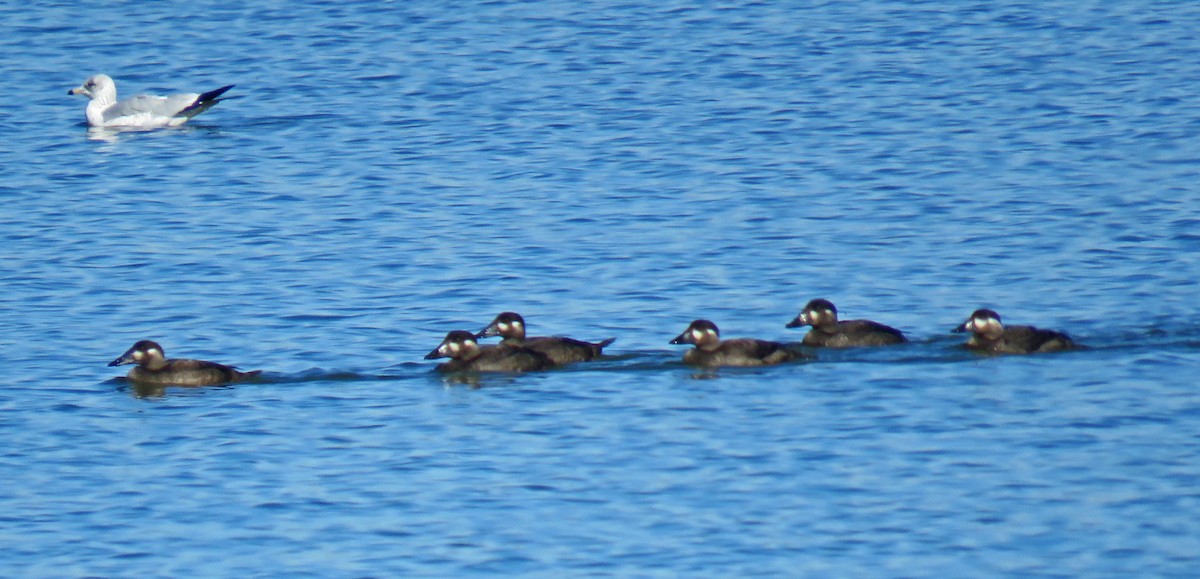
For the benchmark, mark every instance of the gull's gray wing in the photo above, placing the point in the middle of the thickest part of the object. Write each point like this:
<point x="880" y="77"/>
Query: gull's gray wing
<point x="150" y="106"/>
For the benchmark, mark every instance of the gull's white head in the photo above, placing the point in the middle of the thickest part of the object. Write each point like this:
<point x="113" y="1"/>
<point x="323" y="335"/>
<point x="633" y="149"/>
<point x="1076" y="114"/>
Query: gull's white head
<point x="97" y="87"/>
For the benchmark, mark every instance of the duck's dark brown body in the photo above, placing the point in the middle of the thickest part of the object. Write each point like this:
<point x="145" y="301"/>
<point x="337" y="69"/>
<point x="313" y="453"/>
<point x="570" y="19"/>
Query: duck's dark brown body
<point x="741" y="352"/>
<point x="560" y="350"/>
<point x="190" y="373"/>
<point x="988" y="335"/>
<point x="154" y="368"/>
<point x="468" y="356"/>
<point x="711" y="351"/>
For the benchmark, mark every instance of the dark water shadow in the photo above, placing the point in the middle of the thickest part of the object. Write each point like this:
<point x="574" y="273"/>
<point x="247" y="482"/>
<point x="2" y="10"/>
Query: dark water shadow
<point x="158" y="391"/>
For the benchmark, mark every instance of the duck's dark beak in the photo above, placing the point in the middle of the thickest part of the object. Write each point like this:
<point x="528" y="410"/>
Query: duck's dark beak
<point x="126" y="358"/>
<point x="961" y="327"/>
<point x="488" y="332"/>
<point x="684" y="338"/>
<point x="801" y="320"/>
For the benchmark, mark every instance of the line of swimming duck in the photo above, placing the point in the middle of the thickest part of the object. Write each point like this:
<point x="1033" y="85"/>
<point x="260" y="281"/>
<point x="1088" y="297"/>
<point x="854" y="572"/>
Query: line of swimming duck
<point x="518" y="353"/>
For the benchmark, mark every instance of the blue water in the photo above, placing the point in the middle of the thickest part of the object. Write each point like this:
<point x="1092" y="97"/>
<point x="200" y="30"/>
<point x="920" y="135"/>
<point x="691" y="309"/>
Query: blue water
<point x="394" y="171"/>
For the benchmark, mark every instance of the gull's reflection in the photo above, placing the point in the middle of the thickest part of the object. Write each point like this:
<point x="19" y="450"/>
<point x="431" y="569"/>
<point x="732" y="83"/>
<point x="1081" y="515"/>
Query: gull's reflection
<point x="114" y="135"/>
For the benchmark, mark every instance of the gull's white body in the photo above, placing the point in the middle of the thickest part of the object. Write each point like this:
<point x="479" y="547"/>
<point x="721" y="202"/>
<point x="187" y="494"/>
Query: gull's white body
<point x="142" y="111"/>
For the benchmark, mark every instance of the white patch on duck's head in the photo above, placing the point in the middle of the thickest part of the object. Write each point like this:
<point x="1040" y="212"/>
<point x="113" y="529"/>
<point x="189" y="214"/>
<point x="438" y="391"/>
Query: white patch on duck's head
<point x="464" y="343"/>
<point x="985" y="317"/>
<point x="817" y="311"/>
<point x="984" y="323"/>
<point x="821" y="315"/>
<point x="453" y="348"/>
<point x="704" y="334"/>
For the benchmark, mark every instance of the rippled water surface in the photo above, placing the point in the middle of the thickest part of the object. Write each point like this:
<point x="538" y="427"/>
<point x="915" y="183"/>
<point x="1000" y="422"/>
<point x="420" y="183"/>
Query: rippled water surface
<point x="392" y="171"/>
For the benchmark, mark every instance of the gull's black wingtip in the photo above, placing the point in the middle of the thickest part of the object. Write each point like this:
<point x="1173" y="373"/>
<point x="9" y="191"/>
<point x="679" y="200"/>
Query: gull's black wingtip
<point x="204" y="102"/>
<point x="213" y="94"/>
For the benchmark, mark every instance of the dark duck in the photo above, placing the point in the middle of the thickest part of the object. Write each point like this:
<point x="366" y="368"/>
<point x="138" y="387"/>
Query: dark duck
<point x="989" y="335"/>
<point x="153" y="367"/>
<point x="466" y="355"/>
<point x="711" y="351"/>
<point x="511" y="327"/>
<point x="828" y="332"/>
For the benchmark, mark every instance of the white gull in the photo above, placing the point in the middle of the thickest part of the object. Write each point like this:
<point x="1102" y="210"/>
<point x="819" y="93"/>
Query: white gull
<point x="141" y="111"/>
